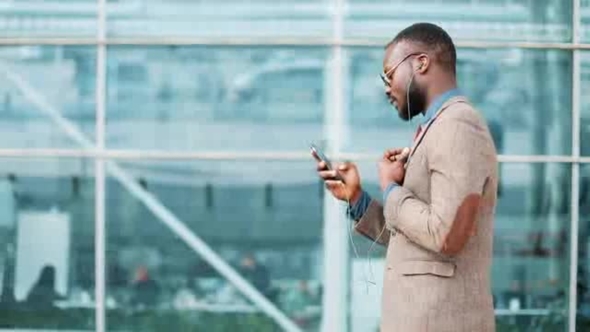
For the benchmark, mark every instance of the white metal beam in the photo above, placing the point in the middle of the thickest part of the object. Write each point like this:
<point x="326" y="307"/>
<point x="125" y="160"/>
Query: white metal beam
<point x="99" y="175"/>
<point x="155" y="206"/>
<point x="575" y="181"/>
<point x="336" y="284"/>
<point x="278" y="41"/>
<point x="242" y="155"/>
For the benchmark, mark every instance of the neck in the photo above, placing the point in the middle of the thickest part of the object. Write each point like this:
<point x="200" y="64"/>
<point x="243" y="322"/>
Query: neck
<point x="438" y="89"/>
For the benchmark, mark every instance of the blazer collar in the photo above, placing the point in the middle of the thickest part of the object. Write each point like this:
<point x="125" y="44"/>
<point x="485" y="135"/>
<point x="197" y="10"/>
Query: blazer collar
<point x="426" y="126"/>
<point x="438" y="103"/>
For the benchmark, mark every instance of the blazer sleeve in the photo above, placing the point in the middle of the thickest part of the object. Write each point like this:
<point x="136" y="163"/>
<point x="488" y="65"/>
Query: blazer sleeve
<point x="372" y="224"/>
<point x="459" y="159"/>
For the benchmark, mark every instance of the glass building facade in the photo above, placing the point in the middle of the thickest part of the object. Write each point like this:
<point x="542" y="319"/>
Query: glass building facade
<point x="155" y="173"/>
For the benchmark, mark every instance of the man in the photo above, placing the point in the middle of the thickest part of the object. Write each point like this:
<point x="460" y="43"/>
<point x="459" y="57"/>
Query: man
<point x="439" y="199"/>
<point x="257" y="274"/>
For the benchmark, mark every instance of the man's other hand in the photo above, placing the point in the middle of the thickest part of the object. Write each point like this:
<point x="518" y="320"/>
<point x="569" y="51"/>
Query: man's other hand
<point x="391" y="167"/>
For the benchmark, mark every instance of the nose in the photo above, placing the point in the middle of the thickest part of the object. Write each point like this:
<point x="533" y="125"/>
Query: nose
<point x="388" y="91"/>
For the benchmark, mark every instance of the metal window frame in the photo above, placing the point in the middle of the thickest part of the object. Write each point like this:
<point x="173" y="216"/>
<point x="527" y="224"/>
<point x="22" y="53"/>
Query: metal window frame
<point x="336" y="304"/>
<point x="99" y="170"/>
<point x="575" y="181"/>
<point x="275" y="41"/>
<point x="235" y="155"/>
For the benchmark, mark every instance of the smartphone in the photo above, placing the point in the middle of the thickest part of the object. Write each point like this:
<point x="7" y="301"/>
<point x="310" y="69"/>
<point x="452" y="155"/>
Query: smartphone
<point x="320" y="156"/>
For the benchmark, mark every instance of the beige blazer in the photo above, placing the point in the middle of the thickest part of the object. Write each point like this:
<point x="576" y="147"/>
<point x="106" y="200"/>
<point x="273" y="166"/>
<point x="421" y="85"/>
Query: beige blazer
<point x="439" y="228"/>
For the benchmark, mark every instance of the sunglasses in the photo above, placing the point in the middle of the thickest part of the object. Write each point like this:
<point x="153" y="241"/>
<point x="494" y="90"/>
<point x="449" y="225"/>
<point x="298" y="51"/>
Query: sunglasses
<point x="385" y="76"/>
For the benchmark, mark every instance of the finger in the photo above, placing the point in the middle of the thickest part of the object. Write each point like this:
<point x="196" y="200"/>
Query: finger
<point x="392" y="152"/>
<point x="322" y="166"/>
<point x="398" y="157"/>
<point x="401" y="156"/>
<point x="333" y="184"/>
<point x="346" y="166"/>
<point x="327" y="174"/>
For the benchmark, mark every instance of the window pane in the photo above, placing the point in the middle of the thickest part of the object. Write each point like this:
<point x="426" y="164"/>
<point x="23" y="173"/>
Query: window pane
<point x="530" y="269"/>
<point x="585" y="20"/>
<point x="47" y="244"/>
<point x="524" y="94"/>
<point x="271" y="210"/>
<point x="48" y="18"/>
<point x="585" y="103"/>
<point x="215" y="98"/>
<point x="43" y="86"/>
<point x="487" y="20"/>
<point x="583" y="304"/>
<point x="210" y="18"/>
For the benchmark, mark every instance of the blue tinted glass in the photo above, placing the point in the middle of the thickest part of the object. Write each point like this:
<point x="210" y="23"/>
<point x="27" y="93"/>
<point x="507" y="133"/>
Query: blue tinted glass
<point x="583" y="280"/>
<point x="585" y="21"/>
<point x="47" y="244"/>
<point x="585" y="103"/>
<point x="524" y="94"/>
<point x="264" y="219"/>
<point x="48" y="18"/>
<point x="497" y="20"/>
<point x="235" y="19"/>
<point x="531" y="259"/>
<point x="47" y="98"/>
<point x="215" y="98"/>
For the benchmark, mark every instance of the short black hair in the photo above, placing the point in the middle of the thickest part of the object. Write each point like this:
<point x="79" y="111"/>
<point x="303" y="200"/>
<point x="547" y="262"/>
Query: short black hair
<point x="434" y="39"/>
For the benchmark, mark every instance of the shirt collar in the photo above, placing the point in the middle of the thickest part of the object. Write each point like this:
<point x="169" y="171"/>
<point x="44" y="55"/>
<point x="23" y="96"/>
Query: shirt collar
<point x="438" y="103"/>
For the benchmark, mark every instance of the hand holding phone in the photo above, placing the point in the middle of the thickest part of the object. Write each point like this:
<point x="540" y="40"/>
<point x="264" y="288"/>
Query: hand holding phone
<point x="321" y="157"/>
<point x="342" y="180"/>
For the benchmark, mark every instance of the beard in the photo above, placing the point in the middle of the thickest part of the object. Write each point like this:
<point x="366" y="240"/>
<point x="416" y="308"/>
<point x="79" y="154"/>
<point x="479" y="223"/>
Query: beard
<point x="416" y="98"/>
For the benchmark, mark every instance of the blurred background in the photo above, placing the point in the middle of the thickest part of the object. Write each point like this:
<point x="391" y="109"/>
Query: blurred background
<point x="155" y="174"/>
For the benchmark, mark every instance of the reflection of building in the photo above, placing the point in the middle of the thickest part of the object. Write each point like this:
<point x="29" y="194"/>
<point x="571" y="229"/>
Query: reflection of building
<point x="488" y="20"/>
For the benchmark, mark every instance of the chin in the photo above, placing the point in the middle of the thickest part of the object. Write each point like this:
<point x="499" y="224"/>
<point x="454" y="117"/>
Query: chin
<point x="403" y="115"/>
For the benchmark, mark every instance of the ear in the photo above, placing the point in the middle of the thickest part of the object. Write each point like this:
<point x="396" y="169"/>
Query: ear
<point x="423" y="63"/>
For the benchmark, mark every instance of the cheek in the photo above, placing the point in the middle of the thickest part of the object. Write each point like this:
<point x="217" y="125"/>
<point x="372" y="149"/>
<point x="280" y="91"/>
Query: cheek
<point x="398" y="91"/>
<point x="400" y="84"/>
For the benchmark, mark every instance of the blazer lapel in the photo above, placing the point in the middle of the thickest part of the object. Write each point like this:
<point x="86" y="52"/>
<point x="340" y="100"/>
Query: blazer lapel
<point x="418" y="140"/>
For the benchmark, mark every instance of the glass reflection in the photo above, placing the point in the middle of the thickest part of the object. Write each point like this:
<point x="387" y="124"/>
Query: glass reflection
<point x="48" y="19"/>
<point x="47" y="244"/>
<point x="263" y="218"/>
<point x="583" y="296"/>
<point x="233" y="18"/>
<point x="585" y="103"/>
<point x="525" y="96"/>
<point x="584" y="20"/>
<point x="530" y="269"/>
<point x="215" y="98"/>
<point x="490" y="20"/>
<point x="42" y="86"/>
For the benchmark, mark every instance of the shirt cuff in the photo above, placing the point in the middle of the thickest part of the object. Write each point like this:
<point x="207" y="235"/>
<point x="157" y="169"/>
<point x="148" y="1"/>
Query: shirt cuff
<point x="387" y="190"/>
<point x="358" y="209"/>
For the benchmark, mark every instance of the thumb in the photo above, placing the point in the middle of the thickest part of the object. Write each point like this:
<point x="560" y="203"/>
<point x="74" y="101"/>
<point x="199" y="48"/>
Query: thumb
<point x="343" y="167"/>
